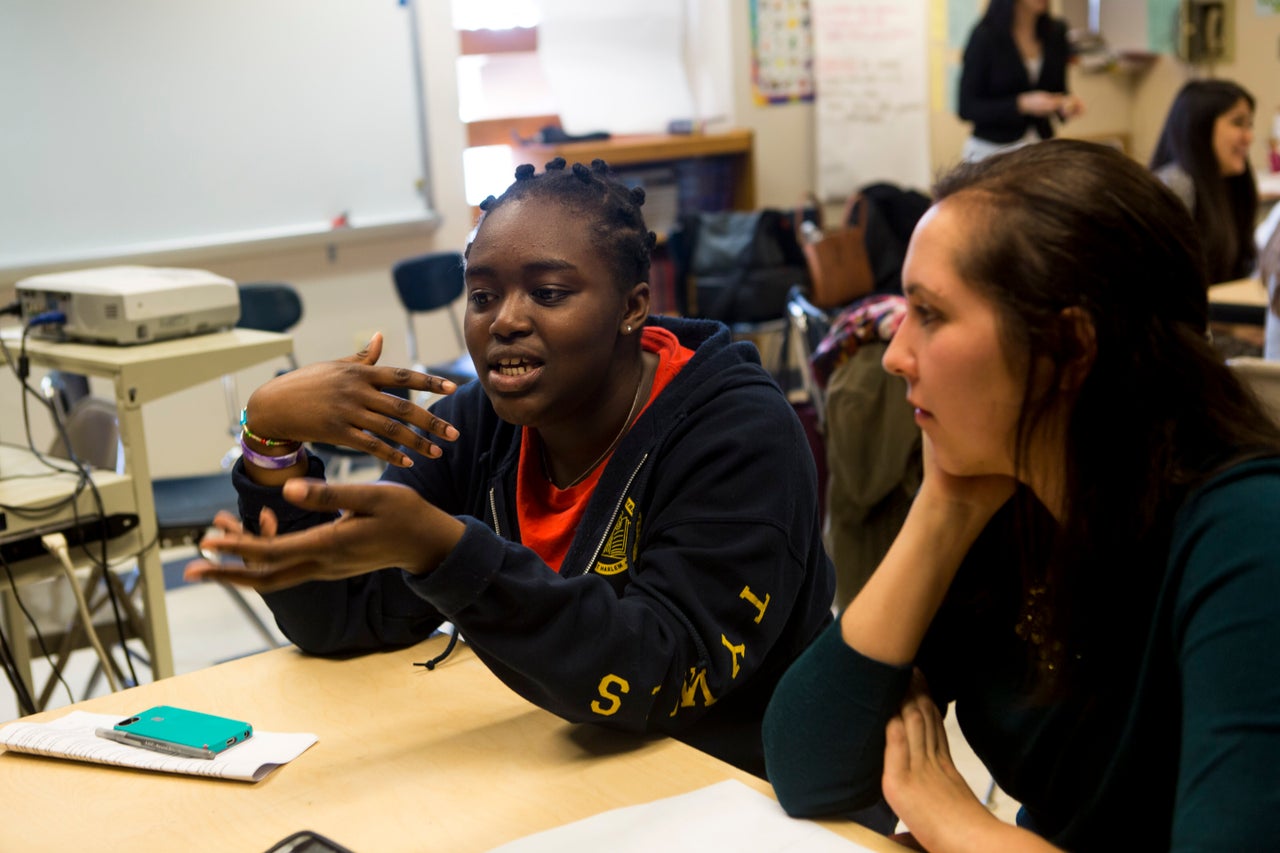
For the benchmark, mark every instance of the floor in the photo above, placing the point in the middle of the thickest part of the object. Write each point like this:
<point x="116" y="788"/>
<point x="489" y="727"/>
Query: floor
<point x="205" y="624"/>
<point x="207" y="628"/>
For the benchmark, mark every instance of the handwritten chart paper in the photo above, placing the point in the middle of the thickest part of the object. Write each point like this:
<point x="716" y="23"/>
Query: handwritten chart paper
<point x="871" y="76"/>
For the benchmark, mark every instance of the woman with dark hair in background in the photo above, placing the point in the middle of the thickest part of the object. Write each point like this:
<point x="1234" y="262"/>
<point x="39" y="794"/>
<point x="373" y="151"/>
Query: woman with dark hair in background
<point x="1089" y="569"/>
<point x="1203" y="156"/>
<point x="1014" y="80"/>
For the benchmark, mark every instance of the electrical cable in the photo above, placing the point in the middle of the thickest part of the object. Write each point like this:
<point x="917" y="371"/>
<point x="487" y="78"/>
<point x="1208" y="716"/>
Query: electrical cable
<point x="20" y="690"/>
<point x="21" y="369"/>
<point x="56" y="318"/>
<point x="35" y="627"/>
<point x="56" y="544"/>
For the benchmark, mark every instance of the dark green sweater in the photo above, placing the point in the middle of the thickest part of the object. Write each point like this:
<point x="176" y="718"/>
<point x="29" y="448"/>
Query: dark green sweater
<point x="1182" y="755"/>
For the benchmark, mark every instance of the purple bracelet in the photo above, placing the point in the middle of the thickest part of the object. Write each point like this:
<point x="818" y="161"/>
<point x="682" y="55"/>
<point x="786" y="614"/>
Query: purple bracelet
<point x="262" y="460"/>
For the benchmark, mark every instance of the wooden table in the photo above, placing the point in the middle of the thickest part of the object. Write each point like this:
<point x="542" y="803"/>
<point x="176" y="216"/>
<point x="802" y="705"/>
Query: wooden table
<point x="736" y="144"/>
<point x="1240" y="301"/>
<point x="1268" y="187"/>
<point x="448" y="760"/>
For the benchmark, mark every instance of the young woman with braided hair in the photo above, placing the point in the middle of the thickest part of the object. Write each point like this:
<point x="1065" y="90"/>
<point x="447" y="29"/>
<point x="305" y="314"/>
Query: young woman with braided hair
<point x="620" y="516"/>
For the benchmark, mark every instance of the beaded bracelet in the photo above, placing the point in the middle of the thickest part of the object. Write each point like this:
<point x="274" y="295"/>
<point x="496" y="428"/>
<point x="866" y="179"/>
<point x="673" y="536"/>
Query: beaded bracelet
<point x="262" y="460"/>
<point x="265" y="442"/>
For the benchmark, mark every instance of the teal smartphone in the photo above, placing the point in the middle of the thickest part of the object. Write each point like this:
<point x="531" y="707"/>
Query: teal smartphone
<point x="178" y="731"/>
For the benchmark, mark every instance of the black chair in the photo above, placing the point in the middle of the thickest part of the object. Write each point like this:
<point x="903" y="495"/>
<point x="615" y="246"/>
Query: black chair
<point x="270" y="307"/>
<point x="807" y="326"/>
<point x="429" y="283"/>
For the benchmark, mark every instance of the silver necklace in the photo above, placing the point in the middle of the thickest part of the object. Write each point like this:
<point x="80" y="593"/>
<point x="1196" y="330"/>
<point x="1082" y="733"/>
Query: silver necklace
<point x="546" y="466"/>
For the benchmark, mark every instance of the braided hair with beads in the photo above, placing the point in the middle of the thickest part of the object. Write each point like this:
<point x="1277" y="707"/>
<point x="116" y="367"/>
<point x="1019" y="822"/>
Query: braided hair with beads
<point x="594" y="192"/>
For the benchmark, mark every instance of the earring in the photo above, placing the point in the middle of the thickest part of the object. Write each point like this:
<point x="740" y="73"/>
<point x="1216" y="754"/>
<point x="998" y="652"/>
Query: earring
<point x="628" y="328"/>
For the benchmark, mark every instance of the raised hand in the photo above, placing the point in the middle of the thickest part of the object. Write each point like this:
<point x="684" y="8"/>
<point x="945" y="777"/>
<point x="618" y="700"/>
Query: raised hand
<point x="342" y="402"/>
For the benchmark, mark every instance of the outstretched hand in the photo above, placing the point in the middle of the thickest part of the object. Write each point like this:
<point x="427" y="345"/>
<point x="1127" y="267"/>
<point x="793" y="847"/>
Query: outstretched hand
<point x="381" y="525"/>
<point x="342" y="402"/>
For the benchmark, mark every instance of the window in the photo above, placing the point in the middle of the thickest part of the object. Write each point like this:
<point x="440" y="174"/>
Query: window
<point x="502" y="92"/>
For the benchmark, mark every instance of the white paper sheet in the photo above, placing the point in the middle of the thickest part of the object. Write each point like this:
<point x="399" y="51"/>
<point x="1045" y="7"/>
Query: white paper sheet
<point x="72" y="736"/>
<point x="724" y="816"/>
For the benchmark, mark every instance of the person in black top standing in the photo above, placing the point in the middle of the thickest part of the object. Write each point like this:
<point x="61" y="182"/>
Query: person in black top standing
<point x="1014" y="80"/>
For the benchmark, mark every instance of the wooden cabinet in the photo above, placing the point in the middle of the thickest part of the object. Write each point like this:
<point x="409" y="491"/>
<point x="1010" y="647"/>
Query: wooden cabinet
<point x="735" y="146"/>
<point x="694" y="172"/>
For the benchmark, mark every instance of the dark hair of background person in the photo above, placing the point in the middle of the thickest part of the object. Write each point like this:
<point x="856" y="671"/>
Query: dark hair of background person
<point x="999" y="16"/>
<point x="1070" y="224"/>
<point x="1226" y="206"/>
<point x="612" y="207"/>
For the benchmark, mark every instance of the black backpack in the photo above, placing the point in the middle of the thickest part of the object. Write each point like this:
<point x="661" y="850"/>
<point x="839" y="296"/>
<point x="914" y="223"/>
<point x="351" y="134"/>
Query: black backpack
<point x="736" y="266"/>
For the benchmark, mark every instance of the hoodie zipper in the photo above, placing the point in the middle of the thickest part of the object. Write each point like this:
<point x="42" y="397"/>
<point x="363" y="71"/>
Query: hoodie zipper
<point x="617" y="508"/>
<point x="493" y="508"/>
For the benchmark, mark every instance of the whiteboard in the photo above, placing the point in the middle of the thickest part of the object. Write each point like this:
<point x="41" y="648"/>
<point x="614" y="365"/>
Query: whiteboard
<point x="871" y="105"/>
<point x="139" y="126"/>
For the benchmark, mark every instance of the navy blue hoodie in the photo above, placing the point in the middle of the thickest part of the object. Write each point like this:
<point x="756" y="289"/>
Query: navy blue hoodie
<point x="696" y="575"/>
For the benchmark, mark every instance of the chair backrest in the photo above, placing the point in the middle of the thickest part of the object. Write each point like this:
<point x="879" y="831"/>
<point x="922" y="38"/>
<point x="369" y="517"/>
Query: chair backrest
<point x="809" y="324"/>
<point x="807" y="318"/>
<point x="266" y="307"/>
<point x="92" y="428"/>
<point x="269" y="307"/>
<point x="428" y="282"/>
<point x="63" y="390"/>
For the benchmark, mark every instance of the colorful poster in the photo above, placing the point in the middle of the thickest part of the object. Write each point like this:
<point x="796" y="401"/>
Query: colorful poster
<point x="781" y="51"/>
<point x="1268" y="7"/>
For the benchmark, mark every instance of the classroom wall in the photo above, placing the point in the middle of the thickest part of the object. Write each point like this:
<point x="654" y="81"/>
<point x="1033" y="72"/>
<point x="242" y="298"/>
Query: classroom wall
<point x="349" y="296"/>
<point x="1255" y="65"/>
<point x="346" y="296"/>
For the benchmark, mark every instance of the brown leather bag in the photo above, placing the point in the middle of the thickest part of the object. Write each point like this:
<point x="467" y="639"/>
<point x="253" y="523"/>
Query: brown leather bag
<point x="839" y="268"/>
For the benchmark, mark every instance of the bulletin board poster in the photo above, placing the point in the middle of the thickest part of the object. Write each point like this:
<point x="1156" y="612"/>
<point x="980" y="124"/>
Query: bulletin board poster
<point x="781" y="51"/>
<point x="1268" y="7"/>
<point x="871" y="109"/>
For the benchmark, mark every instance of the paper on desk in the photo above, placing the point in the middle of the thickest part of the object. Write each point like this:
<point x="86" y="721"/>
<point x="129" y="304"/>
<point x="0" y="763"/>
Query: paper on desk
<point x="724" y="816"/>
<point x="72" y="736"/>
